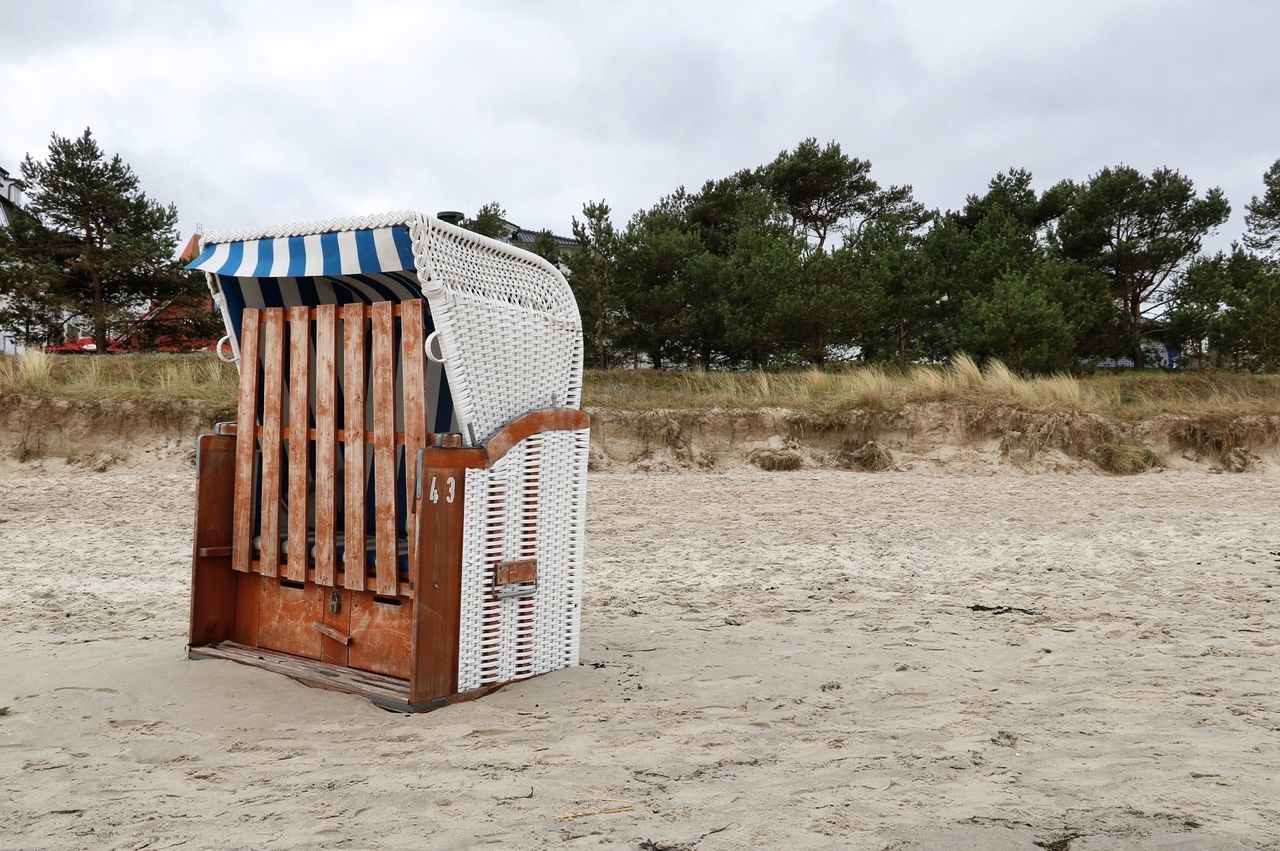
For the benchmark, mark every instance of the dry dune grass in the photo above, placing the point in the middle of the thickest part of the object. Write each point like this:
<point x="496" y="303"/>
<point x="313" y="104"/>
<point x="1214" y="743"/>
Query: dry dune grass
<point x="133" y="377"/>
<point x="1128" y="396"/>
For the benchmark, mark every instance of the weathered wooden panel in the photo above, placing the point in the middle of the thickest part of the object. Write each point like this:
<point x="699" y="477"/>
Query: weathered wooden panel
<point x="285" y="617"/>
<point x="213" y="583"/>
<point x="381" y="631"/>
<point x="437" y="580"/>
<point x="299" y="416"/>
<point x="272" y="397"/>
<point x="413" y="386"/>
<point x="353" y="332"/>
<point x="246" y="443"/>
<point x="326" y="443"/>
<point x="384" y="448"/>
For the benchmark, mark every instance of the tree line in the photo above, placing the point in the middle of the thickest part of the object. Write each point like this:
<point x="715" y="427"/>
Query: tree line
<point x="806" y="259"/>
<point x="809" y="259"/>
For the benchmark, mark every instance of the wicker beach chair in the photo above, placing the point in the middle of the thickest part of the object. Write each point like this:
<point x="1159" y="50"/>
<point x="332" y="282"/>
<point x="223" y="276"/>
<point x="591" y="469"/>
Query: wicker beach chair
<point x="398" y="510"/>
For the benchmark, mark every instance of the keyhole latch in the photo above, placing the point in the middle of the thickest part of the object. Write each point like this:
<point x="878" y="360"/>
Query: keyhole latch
<point x="335" y="601"/>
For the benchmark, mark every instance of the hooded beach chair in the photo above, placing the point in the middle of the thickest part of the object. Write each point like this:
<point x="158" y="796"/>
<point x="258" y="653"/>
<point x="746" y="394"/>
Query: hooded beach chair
<point x="398" y="510"/>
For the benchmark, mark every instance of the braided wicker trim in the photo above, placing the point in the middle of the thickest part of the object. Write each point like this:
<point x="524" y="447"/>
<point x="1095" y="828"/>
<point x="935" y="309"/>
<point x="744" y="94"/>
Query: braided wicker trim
<point x="381" y="220"/>
<point x="375" y="220"/>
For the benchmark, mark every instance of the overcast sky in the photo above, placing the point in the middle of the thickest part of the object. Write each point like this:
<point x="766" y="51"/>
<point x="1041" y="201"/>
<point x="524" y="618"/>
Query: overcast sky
<point x="264" y="113"/>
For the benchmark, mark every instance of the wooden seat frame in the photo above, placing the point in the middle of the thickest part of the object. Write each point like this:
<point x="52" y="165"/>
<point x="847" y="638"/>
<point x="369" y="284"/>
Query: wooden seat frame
<point x="298" y="610"/>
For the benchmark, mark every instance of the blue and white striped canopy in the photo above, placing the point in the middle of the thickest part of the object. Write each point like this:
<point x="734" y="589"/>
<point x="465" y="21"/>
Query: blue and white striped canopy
<point x="340" y="267"/>
<point x="369" y="251"/>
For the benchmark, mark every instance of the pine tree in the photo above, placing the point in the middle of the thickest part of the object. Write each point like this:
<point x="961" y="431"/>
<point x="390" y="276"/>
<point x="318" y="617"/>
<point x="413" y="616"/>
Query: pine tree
<point x="487" y="220"/>
<point x="97" y="245"/>
<point x="593" y="276"/>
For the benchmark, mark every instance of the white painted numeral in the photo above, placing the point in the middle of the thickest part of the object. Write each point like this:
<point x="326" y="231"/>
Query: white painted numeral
<point x="434" y="493"/>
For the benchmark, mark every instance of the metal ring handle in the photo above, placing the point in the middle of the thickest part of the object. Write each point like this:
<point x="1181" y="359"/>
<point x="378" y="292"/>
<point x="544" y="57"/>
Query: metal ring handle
<point x="426" y="346"/>
<point x="225" y="341"/>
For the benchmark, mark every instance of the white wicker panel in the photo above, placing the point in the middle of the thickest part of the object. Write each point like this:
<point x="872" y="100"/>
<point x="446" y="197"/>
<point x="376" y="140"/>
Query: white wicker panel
<point x="508" y="326"/>
<point x="532" y="503"/>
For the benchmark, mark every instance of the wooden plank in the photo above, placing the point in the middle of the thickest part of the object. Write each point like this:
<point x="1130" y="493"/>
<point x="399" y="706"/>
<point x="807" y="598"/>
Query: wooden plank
<point x="405" y="590"/>
<point x="437" y="581"/>
<point x="272" y="399"/>
<point x="329" y="632"/>
<point x="326" y="442"/>
<point x="353" y="455"/>
<point x="308" y="671"/>
<point x="299" y="412"/>
<point x="246" y="442"/>
<point x="413" y="380"/>
<point x="340" y="435"/>
<point x="384" y="448"/>
<point x="547" y="419"/>
<point x="213" y="583"/>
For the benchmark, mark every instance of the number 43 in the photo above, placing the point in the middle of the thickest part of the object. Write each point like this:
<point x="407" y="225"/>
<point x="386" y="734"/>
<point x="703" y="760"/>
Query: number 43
<point x="434" y="493"/>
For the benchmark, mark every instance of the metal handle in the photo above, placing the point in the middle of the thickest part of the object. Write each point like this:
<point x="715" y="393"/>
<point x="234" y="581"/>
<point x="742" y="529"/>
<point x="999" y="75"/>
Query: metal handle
<point x="515" y="591"/>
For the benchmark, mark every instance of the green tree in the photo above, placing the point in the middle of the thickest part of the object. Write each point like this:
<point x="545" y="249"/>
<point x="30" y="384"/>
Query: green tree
<point x="1262" y="215"/>
<point x="1007" y="231"/>
<point x="1248" y="330"/>
<point x="896" y="303"/>
<point x="1019" y="322"/>
<point x="656" y="298"/>
<point x="29" y="310"/>
<point x="1225" y="311"/>
<point x="593" y="276"/>
<point x="487" y="220"/>
<point x="761" y="264"/>
<point x="720" y="208"/>
<point x="826" y="191"/>
<point x="1139" y="231"/>
<point x="99" y="247"/>
<point x="545" y="246"/>
<point x="1195" y="306"/>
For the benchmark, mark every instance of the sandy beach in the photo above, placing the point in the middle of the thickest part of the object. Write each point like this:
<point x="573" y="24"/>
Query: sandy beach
<point x="810" y="659"/>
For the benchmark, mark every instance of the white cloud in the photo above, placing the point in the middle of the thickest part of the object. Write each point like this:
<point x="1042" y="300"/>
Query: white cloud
<point x="261" y="113"/>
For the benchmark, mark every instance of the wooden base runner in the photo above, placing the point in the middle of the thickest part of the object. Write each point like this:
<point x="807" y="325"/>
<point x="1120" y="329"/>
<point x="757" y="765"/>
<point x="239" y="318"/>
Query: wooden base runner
<point x="384" y="692"/>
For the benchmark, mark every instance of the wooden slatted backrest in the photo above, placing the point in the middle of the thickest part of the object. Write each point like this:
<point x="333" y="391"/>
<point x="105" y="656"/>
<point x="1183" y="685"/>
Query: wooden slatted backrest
<point x="303" y="369"/>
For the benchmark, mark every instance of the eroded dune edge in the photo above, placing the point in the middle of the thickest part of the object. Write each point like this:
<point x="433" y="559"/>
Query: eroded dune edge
<point x="939" y="435"/>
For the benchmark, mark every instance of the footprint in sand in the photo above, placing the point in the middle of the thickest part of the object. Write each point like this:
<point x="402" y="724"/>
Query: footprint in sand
<point x="130" y="723"/>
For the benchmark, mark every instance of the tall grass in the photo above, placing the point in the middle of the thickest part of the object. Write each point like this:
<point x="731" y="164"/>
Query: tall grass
<point x="1134" y="395"/>
<point x="30" y="372"/>
<point x="133" y="377"/>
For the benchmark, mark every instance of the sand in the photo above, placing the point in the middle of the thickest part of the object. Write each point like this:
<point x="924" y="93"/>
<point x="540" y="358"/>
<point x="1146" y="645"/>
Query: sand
<point x="810" y="659"/>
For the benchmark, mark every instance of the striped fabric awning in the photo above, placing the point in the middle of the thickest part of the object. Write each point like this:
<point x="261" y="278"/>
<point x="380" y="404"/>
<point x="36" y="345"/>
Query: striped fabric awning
<point x="369" y="251"/>
<point x="340" y="267"/>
